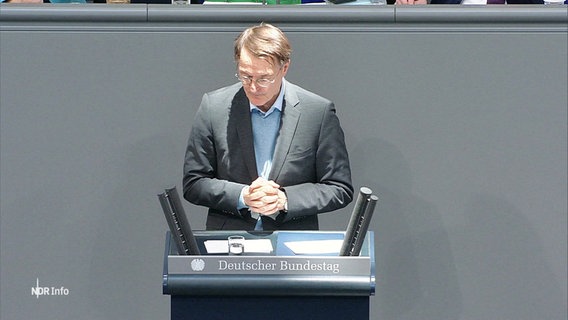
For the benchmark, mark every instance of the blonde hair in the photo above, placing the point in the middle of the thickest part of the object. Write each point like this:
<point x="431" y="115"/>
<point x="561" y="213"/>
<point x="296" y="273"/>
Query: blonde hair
<point x="264" y="41"/>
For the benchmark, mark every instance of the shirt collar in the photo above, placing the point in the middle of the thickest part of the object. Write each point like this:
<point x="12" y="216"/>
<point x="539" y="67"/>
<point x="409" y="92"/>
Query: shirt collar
<point x="277" y="104"/>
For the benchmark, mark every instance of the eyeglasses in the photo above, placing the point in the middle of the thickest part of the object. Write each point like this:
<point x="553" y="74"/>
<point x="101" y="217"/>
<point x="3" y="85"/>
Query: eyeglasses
<point x="262" y="82"/>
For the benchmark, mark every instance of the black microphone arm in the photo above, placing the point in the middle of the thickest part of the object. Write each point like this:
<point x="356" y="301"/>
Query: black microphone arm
<point x="359" y="222"/>
<point x="364" y="225"/>
<point x="177" y="222"/>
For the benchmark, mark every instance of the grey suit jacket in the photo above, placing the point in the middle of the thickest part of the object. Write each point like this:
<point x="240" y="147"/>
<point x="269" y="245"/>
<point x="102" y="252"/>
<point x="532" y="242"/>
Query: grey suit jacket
<point x="310" y="161"/>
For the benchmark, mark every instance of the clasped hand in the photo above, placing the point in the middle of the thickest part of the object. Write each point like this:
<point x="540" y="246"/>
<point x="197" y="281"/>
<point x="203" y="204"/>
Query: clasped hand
<point x="264" y="197"/>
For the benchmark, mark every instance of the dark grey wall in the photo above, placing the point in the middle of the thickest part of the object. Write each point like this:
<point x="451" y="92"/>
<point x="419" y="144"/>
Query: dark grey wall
<point x="459" y="125"/>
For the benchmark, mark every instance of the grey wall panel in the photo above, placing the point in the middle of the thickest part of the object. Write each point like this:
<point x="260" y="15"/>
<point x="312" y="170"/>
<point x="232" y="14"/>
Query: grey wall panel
<point x="459" y="127"/>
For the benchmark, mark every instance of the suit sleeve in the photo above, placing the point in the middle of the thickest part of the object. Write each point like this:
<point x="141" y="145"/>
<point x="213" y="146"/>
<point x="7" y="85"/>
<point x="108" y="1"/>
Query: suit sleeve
<point x="332" y="188"/>
<point x="201" y="185"/>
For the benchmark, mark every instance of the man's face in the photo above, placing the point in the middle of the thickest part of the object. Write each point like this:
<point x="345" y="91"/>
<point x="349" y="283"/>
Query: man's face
<point x="254" y="68"/>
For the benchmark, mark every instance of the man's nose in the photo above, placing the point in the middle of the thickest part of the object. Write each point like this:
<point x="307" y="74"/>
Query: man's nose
<point x="253" y="86"/>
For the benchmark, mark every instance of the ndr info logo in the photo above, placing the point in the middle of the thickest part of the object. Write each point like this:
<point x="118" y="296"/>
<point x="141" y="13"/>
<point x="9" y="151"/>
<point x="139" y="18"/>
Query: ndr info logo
<point x="48" y="291"/>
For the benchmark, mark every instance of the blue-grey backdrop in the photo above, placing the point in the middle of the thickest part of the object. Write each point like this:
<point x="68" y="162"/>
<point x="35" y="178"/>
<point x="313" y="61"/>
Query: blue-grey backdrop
<point x="460" y="128"/>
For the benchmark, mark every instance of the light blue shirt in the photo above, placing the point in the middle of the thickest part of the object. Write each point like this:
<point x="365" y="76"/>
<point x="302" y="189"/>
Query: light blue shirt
<point x="265" y="128"/>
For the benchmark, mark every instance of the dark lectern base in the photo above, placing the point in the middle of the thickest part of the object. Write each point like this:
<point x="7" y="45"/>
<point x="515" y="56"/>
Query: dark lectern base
<point x="282" y="308"/>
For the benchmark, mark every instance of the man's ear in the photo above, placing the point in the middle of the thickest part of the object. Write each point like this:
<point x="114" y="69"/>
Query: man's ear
<point x="285" y="68"/>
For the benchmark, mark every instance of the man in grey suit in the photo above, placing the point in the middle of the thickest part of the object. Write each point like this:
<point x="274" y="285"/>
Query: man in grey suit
<point x="265" y="154"/>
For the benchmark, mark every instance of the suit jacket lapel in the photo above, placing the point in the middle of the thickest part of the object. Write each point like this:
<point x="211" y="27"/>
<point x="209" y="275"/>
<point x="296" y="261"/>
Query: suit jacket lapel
<point x="241" y="109"/>
<point x="290" y="118"/>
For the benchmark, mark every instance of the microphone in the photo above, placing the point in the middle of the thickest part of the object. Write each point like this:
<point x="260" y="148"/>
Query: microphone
<point x="359" y="223"/>
<point x="177" y="222"/>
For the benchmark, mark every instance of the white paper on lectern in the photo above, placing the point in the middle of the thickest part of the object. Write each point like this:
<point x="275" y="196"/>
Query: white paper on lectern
<point x="251" y="246"/>
<point x="315" y="246"/>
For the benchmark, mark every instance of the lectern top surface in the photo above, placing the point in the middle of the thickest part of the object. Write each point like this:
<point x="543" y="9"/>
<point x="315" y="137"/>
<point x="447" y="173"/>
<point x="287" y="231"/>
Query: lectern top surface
<point x="281" y="243"/>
